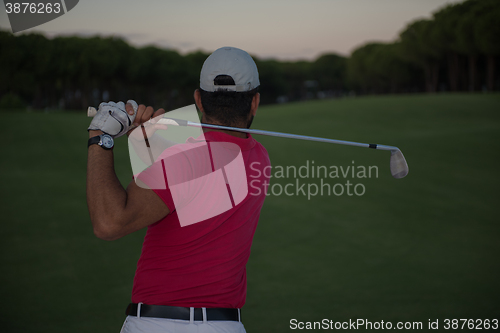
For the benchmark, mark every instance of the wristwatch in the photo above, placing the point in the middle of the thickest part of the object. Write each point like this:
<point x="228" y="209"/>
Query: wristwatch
<point x="104" y="140"/>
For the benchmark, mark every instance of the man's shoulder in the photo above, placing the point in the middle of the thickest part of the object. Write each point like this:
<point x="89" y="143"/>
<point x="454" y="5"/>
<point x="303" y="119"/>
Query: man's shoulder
<point x="259" y="147"/>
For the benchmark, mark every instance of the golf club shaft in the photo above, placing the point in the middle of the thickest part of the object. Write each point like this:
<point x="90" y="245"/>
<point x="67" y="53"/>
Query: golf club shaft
<point x="171" y="121"/>
<point x="399" y="167"/>
<point x="179" y="122"/>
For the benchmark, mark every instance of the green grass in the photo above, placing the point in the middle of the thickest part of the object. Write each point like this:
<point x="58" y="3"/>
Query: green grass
<point x="424" y="247"/>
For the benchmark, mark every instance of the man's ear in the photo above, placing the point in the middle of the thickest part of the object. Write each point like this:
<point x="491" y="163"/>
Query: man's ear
<point x="255" y="104"/>
<point x="197" y="100"/>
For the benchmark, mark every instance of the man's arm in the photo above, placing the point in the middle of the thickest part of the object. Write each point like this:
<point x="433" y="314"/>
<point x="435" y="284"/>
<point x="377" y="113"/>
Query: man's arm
<point x="114" y="211"/>
<point x="157" y="145"/>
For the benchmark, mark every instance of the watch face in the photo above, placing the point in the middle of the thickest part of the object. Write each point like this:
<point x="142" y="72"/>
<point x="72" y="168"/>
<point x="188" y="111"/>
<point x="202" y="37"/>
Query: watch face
<point x="107" y="141"/>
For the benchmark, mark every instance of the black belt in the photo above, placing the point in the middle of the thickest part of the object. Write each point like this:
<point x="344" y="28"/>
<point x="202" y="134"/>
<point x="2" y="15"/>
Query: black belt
<point x="177" y="312"/>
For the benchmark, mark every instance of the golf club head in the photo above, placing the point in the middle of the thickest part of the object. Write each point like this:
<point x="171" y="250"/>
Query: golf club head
<point x="399" y="167"/>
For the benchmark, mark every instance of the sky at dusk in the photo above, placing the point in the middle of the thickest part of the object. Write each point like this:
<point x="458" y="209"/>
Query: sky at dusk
<point x="283" y="29"/>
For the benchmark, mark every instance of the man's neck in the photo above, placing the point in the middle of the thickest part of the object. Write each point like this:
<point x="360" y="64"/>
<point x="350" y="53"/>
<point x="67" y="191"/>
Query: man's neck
<point x="233" y="133"/>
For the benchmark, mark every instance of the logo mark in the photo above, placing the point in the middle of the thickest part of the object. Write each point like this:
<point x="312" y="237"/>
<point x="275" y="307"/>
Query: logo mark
<point x="28" y="13"/>
<point x="205" y="178"/>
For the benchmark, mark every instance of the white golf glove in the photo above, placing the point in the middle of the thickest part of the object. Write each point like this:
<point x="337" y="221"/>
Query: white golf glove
<point x="113" y="119"/>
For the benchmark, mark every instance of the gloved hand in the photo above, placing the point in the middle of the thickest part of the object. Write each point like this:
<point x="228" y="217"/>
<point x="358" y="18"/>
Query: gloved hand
<point x="113" y="119"/>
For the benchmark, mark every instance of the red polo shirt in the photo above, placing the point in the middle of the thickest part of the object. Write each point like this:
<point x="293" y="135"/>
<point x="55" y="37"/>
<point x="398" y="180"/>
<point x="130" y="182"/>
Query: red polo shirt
<point x="203" y="264"/>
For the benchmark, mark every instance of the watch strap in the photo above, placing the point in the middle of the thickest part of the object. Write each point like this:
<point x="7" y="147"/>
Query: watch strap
<point x="94" y="140"/>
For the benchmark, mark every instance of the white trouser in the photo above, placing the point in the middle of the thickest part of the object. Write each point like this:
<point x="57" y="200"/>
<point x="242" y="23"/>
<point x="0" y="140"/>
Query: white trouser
<point x="136" y="324"/>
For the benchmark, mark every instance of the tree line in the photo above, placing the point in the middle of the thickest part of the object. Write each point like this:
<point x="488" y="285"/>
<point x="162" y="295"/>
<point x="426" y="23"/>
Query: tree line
<point x="456" y="50"/>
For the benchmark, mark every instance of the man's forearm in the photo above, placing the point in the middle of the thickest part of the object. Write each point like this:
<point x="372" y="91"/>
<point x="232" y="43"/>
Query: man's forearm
<point x="157" y="145"/>
<point x="106" y="197"/>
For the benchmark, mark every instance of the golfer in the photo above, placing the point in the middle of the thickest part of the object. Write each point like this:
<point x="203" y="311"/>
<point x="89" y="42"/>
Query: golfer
<point x="191" y="277"/>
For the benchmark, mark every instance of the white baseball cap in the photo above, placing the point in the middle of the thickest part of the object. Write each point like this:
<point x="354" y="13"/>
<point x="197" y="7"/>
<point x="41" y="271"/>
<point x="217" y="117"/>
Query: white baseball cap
<point x="233" y="62"/>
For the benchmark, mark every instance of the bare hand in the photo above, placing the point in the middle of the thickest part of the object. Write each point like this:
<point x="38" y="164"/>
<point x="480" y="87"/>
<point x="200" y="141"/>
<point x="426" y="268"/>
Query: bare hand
<point x="146" y="117"/>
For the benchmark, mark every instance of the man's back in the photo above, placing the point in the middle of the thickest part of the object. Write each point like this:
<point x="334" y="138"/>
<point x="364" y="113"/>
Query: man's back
<point x="203" y="264"/>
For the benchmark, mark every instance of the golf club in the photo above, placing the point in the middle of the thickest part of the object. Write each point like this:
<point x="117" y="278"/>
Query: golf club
<point x="398" y="165"/>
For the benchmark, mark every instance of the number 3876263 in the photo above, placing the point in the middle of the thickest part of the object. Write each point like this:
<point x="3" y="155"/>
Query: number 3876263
<point x="33" y="8"/>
